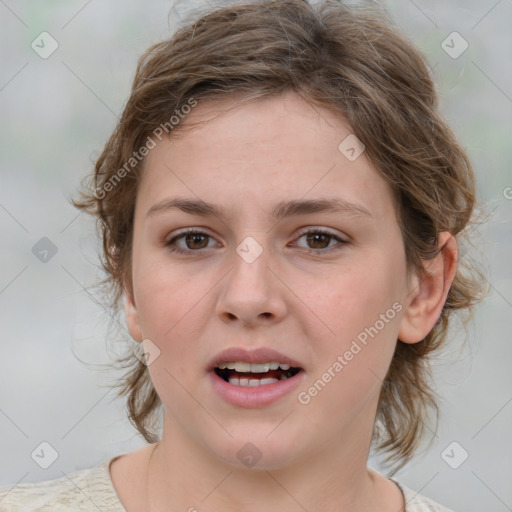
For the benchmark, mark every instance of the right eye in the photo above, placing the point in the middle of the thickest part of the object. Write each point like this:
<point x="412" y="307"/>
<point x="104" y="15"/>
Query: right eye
<point x="194" y="241"/>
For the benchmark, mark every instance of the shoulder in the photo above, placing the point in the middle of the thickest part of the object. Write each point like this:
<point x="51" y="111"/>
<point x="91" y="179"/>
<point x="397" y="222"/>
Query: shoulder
<point x="83" y="490"/>
<point x="415" y="502"/>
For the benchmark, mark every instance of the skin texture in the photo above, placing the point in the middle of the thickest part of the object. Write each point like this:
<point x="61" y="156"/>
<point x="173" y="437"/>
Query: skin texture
<point x="308" y="305"/>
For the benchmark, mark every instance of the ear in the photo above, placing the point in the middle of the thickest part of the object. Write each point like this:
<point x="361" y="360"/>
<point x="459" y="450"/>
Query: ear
<point x="132" y="316"/>
<point x="427" y="295"/>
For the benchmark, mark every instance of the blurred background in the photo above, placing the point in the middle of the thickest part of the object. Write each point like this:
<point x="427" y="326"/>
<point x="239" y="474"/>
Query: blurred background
<point x="66" y="72"/>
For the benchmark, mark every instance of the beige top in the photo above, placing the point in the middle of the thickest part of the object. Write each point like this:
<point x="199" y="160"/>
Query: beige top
<point x="92" y="490"/>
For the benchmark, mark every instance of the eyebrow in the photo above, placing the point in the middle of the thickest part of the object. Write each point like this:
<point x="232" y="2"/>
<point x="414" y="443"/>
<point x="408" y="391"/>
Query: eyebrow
<point x="281" y="210"/>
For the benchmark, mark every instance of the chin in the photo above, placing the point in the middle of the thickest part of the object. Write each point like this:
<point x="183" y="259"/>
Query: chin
<point x="257" y="453"/>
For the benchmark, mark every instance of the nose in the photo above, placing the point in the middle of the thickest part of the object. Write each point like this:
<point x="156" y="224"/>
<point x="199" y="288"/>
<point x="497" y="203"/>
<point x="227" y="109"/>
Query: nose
<point x="252" y="293"/>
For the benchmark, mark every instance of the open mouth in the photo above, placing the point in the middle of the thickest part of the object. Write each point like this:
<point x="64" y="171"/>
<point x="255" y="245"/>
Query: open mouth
<point x="268" y="377"/>
<point x="252" y="375"/>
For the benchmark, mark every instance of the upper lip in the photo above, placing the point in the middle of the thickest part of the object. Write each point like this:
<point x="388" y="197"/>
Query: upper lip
<point x="259" y="355"/>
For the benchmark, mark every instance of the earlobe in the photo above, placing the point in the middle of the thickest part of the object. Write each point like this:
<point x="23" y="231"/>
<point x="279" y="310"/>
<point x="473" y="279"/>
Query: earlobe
<point x="428" y="293"/>
<point x="132" y="316"/>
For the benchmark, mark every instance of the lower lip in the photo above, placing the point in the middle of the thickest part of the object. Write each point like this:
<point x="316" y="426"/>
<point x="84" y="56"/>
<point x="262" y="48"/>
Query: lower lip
<point x="257" y="396"/>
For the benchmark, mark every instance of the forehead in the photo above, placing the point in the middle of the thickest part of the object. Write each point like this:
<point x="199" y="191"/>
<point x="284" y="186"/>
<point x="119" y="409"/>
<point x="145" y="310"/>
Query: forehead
<point x="265" y="151"/>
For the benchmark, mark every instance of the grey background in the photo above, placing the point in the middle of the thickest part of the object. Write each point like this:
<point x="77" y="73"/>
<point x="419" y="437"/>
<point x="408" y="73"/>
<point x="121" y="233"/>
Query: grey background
<point x="58" y="112"/>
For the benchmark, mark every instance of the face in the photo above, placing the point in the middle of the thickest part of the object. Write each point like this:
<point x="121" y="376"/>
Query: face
<point x="325" y="287"/>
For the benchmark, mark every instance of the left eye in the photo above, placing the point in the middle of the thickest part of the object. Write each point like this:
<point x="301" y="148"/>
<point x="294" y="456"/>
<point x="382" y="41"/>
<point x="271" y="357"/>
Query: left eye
<point x="317" y="240"/>
<point x="320" y="239"/>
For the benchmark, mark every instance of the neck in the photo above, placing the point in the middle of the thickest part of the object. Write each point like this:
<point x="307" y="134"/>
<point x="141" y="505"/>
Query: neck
<point x="184" y="474"/>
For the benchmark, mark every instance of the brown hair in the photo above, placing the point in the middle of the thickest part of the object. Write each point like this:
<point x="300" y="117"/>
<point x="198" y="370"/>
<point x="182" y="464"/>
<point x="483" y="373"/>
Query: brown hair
<point x="351" y="60"/>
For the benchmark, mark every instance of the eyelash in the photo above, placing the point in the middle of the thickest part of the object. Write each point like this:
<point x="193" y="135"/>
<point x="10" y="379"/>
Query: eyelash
<point x="172" y="247"/>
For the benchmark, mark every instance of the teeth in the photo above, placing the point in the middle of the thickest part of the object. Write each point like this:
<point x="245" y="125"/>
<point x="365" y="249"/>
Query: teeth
<point x="229" y="366"/>
<point x="254" y="367"/>
<point x="260" y="367"/>
<point x="250" y="382"/>
<point x="242" y="367"/>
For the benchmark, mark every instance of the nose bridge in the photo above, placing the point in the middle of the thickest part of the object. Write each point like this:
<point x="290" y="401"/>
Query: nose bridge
<point x="251" y="272"/>
<point x="251" y="289"/>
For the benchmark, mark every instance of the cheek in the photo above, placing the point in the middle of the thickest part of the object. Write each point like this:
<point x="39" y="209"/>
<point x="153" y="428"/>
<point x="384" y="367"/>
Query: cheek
<point x="172" y="315"/>
<point x="354" y="300"/>
<point x="361" y="308"/>
<point x="169" y="303"/>
<point x="168" y="311"/>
